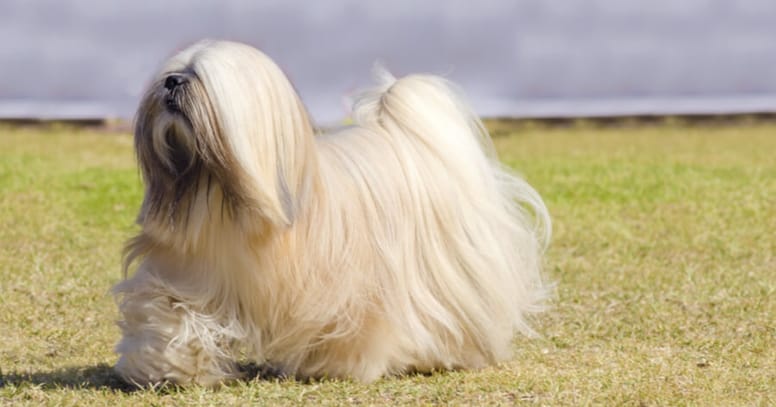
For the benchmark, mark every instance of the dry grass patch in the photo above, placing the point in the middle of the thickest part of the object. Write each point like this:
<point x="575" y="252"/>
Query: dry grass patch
<point x="664" y="257"/>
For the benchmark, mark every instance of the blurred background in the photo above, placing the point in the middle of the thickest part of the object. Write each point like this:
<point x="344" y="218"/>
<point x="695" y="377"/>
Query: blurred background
<point x="78" y="59"/>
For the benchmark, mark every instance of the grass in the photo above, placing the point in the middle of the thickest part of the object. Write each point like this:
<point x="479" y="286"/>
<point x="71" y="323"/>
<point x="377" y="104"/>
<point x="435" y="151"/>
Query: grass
<point x="664" y="256"/>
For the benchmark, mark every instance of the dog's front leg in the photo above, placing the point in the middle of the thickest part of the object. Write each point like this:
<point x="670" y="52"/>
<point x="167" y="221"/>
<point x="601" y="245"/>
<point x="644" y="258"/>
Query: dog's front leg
<point x="166" y="339"/>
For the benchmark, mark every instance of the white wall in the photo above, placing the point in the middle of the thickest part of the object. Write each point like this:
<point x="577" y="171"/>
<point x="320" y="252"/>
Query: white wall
<point x="514" y="57"/>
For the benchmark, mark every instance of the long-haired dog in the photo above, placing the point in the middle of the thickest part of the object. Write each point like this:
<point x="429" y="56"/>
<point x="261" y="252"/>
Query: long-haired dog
<point x="393" y="245"/>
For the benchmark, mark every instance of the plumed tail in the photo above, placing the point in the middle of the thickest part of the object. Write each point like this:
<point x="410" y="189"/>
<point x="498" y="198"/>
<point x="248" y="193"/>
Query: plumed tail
<point x="434" y="111"/>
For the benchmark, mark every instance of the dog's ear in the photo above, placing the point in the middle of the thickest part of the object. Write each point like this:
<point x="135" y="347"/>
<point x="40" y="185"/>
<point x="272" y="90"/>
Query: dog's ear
<point x="283" y="150"/>
<point x="265" y="125"/>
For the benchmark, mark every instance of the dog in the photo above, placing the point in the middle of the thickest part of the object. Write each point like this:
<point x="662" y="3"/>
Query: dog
<point x="397" y="244"/>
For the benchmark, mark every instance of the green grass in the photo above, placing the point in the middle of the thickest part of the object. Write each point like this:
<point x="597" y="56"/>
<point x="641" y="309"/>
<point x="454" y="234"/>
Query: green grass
<point x="664" y="256"/>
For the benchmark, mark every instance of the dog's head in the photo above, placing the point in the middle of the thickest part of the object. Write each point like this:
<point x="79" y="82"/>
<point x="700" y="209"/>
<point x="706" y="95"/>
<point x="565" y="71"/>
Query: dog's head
<point x="221" y="119"/>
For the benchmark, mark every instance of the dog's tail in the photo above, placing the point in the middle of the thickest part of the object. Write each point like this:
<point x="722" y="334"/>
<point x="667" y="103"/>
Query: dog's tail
<point x="495" y="222"/>
<point x="433" y="110"/>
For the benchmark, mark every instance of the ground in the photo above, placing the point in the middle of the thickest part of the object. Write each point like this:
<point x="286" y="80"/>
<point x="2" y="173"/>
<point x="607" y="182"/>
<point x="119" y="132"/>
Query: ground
<point x="663" y="259"/>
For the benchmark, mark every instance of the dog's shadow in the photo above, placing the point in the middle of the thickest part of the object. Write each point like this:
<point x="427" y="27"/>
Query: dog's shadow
<point x="103" y="377"/>
<point x="100" y="376"/>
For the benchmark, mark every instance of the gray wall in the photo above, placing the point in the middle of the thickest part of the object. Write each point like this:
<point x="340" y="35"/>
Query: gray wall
<point x="70" y="58"/>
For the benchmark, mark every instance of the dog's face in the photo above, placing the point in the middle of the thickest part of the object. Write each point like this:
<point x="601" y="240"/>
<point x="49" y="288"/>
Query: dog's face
<point x="180" y="141"/>
<point x="220" y="118"/>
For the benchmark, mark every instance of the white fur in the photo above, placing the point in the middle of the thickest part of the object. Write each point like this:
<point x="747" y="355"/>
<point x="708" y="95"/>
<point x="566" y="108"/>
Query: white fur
<point x="397" y="244"/>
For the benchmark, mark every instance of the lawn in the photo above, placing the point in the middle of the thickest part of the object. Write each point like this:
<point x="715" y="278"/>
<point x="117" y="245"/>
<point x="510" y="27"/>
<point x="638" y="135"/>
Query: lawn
<point x="664" y="259"/>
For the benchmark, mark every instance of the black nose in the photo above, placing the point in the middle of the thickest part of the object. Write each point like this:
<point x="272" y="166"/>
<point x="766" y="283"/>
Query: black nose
<point x="173" y="81"/>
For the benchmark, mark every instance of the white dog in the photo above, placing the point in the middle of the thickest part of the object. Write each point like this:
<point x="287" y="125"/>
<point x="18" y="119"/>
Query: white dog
<point x="397" y="244"/>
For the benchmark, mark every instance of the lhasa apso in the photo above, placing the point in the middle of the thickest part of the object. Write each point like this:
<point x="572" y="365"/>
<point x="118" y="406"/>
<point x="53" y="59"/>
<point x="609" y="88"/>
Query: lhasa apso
<point x="393" y="245"/>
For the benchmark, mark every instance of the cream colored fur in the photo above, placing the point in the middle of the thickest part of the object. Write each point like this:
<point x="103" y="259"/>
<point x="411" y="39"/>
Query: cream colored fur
<point x="397" y="244"/>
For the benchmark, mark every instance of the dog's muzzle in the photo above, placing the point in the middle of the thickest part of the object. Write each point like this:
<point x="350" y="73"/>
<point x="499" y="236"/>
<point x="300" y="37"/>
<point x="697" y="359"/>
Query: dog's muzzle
<point x="173" y="83"/>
